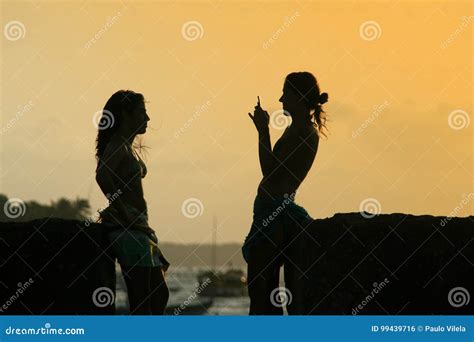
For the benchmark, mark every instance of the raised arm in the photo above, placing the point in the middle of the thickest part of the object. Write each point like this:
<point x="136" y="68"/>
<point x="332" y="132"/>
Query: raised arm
<point x="265" y="153"/>
<point x="267" y="159"/>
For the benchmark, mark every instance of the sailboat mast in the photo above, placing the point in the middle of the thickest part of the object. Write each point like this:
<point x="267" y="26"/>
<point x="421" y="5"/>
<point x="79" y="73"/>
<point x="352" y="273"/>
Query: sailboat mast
<point x="214" y="244"/>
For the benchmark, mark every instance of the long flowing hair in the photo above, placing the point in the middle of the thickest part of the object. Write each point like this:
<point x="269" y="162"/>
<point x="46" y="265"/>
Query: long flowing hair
<point x="123" y="102"/>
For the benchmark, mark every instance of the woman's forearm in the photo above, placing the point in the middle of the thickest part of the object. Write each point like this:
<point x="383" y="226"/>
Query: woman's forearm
<point x="265" y="153"/>
<point x="109" y="189"/>
<point x="106" y="184"/>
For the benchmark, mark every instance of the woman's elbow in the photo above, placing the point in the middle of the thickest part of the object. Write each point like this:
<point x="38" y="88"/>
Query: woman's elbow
<point x="100" y="177"/>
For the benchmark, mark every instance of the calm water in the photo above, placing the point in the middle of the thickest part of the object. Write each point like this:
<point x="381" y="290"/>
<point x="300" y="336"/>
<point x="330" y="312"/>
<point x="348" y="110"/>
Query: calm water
<point x="184" y="290"/>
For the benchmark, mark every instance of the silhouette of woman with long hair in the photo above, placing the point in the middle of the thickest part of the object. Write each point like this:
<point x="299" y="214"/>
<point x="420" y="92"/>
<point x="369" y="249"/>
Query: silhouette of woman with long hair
<point x="277" y="219"/>
<point x="119" y="173"/>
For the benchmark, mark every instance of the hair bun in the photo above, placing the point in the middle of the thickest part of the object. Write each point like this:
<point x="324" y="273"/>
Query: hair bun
<point x="323" y="98"/>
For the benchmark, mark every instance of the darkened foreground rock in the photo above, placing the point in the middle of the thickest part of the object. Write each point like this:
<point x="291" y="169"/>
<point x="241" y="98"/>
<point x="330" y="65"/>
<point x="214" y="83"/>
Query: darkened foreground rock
<point x="387" y="264"/>
<point x="55" y="266"/>
<point x="346" y="264"/>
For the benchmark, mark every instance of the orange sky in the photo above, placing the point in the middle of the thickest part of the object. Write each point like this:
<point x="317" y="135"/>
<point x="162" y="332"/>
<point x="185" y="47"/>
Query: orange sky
<point x="398" y="74"/>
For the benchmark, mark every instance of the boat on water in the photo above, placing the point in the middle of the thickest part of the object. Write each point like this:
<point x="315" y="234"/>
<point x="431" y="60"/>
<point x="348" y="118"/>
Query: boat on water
<point x="229" y="283"/>
<point x="183" y="301"/>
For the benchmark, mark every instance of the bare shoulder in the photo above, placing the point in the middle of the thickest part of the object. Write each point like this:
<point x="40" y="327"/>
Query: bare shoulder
<point x="308" y="141"/>
<point x="309" y="135"/>
<point x="115" y="148"/>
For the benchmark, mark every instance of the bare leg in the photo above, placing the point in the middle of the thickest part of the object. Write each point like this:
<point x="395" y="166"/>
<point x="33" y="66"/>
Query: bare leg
<point x="295" y="275"/>
<point x="260" y="287"/>
<point x="263" y="274"/>
<point x="294" y="283"/>
<point x="159" y="291"/>
<point x="138" y="285"/>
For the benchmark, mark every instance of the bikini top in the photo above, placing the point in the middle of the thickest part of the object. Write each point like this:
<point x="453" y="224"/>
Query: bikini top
<point x="139" y="167"/>
<point x="136" y="167"/>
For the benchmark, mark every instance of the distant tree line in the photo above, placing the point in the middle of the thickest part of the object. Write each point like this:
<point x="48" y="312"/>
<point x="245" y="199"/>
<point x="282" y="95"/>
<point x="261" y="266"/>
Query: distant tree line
<point x="15" y="209"/>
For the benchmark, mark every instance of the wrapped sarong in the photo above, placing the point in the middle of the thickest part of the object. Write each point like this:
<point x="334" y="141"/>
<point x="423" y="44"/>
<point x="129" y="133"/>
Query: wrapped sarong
<point x="134" y="245"/>
<point x="271" y="220"/>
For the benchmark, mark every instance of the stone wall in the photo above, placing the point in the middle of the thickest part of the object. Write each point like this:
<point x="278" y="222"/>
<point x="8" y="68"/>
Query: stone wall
<point x="54" y="266"/>
<point x="387" y="264"/>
